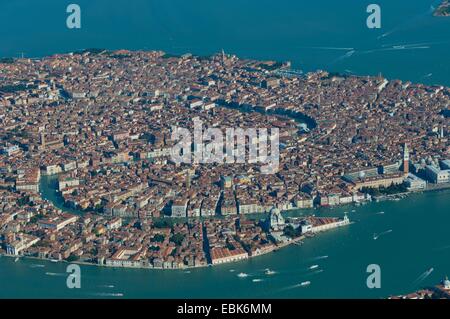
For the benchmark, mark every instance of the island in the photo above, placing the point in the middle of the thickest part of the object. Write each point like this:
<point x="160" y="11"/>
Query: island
<point x="443" y="10"/>
<point x="439" y="291"/>
<point x="88" y="172"/>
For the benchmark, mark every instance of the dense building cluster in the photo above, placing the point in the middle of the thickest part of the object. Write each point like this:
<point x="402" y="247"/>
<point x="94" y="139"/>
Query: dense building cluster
<point x="440" y="291"/>
<point x="101" y="123"/>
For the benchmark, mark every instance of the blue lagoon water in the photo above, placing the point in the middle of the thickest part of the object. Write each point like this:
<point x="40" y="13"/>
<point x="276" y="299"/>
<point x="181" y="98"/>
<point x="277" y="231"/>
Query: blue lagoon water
<point x="312" y="34"/>
<point x="418" y="240"/>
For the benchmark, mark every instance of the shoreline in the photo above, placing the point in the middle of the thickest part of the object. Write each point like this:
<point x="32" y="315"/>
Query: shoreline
<point x="443" y="10"/>
<point x="84" y="263"/>
<point x="400" y="196"/>
<point x="294" y="241"/>
<point x="131" y="283"/>
<point x="142" y="265"/>
<point x="342" y="73"/>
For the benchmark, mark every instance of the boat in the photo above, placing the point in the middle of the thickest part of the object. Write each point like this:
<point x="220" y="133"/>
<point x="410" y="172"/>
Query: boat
<point x="16" y="260"/>
<point x="256" y="280"/>
<point x="314" y="267"/>
<point x="242" y="275"/>
<point x="270" y="272"/>
<point x="376" y="236"/>
<point x="109" y="294"/>
<point x="305" y="283"/>
<point x="54" y="260"/>
<point x="381" y="213"/>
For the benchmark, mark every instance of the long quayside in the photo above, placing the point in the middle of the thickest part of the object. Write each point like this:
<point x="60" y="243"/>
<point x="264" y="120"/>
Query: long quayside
<point x="87" y="171"/>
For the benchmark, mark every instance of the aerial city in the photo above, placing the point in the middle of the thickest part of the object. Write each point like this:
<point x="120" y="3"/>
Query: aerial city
<point x="141" y="159"/>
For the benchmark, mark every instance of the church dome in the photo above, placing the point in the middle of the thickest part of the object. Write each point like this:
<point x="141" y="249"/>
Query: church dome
<point x="446" y="283"/>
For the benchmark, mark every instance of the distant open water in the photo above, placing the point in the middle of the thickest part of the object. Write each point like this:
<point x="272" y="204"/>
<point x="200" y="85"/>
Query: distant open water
<point x="326" y="34"/>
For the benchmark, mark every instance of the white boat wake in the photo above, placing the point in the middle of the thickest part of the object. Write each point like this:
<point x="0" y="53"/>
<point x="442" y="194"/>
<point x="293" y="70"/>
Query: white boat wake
<point x="106" y="286"/>
<point x="107" y="294"/>
<point x="319" y="258"/>
<point x="407" y="23"/>
<point x="299" y="285"/>
<point x="376" y="236"/>
<point x="345" y="56"/>
<point x="316" y="272"/>
<point x="269" y="272"/>
<point x="55" y="274"/>
<point x="422" y="277"/>
<point x="329" y="48"/>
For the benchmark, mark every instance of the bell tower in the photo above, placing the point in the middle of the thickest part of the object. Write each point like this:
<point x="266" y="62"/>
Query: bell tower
<point x="405" y="159"/>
